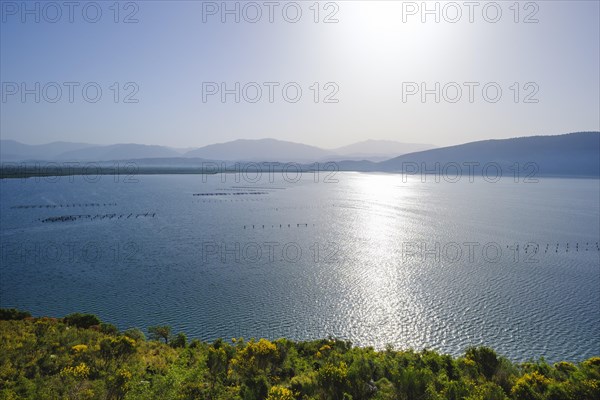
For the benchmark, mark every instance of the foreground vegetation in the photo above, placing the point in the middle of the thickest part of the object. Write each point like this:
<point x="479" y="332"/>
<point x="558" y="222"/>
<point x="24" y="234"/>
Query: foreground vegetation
<point x="78" y="357"/>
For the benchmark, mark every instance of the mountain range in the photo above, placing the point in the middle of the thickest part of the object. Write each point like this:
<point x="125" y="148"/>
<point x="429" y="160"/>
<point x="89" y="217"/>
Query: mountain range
<point x="572" y="154"/>
<point x="237" y="150"/>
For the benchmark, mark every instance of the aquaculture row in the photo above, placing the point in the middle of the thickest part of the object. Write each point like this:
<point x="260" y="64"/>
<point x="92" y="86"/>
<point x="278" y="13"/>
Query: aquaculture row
<point x="69" y="218"/>
<point x="230" y="200"/>
<point x="63" y="205"/>
<point x="535" y="248"/>
<point x="228" y="193"/>
<point x="285" y="208"/>
<point x="254" y="188"/>
<point x="256" y="226"/>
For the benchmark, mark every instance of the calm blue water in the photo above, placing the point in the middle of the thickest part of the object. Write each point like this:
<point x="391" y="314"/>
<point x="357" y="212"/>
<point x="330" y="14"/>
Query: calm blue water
<point x="370" y="258"/>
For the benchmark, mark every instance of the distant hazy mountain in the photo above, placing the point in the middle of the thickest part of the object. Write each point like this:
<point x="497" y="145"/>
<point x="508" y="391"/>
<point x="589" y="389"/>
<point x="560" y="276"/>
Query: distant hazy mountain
<point x="237" y="150"/>
<point x="11" y="150"/>
<point x="379" y="150"/>
<point x="570" y="154"/>
<point x="260" y="150"/>
<point x="119" y="152"/>
<point x="279" y="150"/>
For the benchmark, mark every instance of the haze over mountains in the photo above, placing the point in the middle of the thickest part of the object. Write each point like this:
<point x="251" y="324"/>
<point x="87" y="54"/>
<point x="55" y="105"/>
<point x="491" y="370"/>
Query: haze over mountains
<point x="573" y="154"/>
<point x="378" y="150"/>
<point x="260" y="150"/>
<point x="237" y="150"/>
<point x="11" y="150"/>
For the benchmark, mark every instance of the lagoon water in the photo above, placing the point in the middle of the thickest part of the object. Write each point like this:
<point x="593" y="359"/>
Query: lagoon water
<point x="370" y="258"/>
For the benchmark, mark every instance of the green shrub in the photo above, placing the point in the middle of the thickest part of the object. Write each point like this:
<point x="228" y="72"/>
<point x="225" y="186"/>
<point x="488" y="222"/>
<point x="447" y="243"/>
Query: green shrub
<point x="12" y="314"/>
<point x="81" y="320"/>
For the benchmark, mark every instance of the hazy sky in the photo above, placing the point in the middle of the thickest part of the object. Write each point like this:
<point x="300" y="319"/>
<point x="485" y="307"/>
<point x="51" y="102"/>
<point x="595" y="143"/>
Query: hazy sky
<point x="375" y="61"/>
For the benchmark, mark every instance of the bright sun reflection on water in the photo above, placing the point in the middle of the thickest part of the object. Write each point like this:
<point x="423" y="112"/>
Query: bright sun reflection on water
<point x="388" y="305"/>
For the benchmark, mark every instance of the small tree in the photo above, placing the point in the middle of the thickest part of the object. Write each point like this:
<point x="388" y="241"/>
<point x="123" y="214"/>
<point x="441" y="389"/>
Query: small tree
<point x="160" y="332"/>
<point x="108" y="329"/>
<point x="179" y="341"/>
<point x="531" y="386"/>
<point x="81" y="320"/>
<point x="485" y="358"/>
<point x="9" y="314"/>
<point x="117" y="348"/>
<point x="280" y="393"/>
<point x="333" y="379"/>
<point x="135" y="334"/>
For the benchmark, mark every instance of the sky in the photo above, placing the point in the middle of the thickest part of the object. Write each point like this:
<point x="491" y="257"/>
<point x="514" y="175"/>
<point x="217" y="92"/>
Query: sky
<point x="187" y="74"/>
